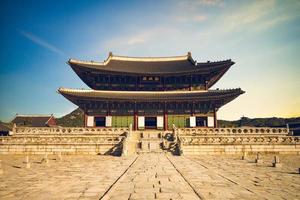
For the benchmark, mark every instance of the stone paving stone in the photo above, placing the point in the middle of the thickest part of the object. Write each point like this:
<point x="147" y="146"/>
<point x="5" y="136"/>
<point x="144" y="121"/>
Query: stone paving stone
<point x="150" y="176"/>
<point x="262" y="181"/>
<point x="76" y="177"/>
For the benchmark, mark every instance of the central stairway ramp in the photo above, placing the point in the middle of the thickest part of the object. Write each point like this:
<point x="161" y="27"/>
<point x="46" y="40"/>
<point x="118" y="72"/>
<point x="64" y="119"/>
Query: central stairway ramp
<point x="151" y="141"/>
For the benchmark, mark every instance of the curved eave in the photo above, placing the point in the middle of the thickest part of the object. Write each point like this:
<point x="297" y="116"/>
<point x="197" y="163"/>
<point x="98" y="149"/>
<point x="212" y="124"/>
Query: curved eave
<point x="166" y="96"/>
<point x="101" y="68"/>
<point x="219" y="75"/>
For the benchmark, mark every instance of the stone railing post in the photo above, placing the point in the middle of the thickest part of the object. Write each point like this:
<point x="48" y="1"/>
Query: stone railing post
<point x="14" y="129"/>
<point x="1" y="170"/>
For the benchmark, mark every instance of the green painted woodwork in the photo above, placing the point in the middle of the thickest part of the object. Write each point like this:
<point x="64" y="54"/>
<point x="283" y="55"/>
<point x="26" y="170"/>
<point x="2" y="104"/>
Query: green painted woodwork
<point x="179" y="121"/>
<point x="122" y="121"/>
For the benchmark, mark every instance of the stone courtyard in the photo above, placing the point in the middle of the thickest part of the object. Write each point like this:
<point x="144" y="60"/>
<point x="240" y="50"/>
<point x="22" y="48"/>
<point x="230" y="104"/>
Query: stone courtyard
<point x="149" y="176"/>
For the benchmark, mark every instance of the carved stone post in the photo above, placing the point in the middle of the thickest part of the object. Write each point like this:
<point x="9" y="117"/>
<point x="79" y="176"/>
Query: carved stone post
<point x="1" y="170"/>
<point x="244" y="155"/>
<point x="45" y="159"/>
<point x="59" y="156"/>
<point x="276" y="162"/>
<point x="14" y="129"/>
<point x="27" y="162"/>
<point x="258" y="158"/>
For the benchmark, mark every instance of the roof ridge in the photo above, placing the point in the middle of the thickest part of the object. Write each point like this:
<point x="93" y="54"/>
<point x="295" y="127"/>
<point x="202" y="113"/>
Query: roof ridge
<point x="149" y="58"/>
<point x="111" y="56"/>
<point x="34" y="115"/>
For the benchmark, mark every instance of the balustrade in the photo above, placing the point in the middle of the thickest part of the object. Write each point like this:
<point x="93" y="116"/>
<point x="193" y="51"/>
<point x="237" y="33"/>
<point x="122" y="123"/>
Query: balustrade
<point x="234" y="131"/>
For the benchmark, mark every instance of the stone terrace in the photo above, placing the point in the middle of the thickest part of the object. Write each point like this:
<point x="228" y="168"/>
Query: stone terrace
<point x="149" y="176"/>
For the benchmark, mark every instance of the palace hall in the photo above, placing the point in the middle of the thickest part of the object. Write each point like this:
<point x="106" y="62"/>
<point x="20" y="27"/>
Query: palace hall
<point x="150" y="92"/>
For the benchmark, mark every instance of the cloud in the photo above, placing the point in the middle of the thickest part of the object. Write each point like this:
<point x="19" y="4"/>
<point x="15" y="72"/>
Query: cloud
<point x="199" y="18"/>
<point x="154" y="41"/>
<point x="39" y="41"/>
<point x="247" y="15"/>
<point x="259" y="16"/>
<point x="138" y="39"/>
<point x="186" y="31"/>
<point x="202" y="3"/>
<point x="191" y="18"/>
<point x="210" y="2"/>
<point x="132" y="39"/>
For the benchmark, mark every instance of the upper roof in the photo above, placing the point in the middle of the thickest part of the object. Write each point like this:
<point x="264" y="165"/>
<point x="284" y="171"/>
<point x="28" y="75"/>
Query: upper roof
<point x="150" y="65"/>
<point x="197" y="95"/>
<point x="32" y="120"/>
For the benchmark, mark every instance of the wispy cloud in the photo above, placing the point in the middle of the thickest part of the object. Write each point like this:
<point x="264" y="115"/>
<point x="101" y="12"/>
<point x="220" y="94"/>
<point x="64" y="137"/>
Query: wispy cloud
<point x="191" y="18"/>
<point x="203" y="3"/>
<point x="146" y="39"/>
<point x="41" y="42"/>
<point x="210" y="2"/>
<point x="252" y="16"/>
<point x="259" y="16"/>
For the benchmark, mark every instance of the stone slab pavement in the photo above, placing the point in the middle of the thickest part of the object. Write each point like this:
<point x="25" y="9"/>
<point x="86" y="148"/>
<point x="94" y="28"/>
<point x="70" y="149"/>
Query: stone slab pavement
<point x="149" y="176"/>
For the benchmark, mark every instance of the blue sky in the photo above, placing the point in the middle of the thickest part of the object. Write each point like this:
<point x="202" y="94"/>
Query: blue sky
<point x="262" y="37"/>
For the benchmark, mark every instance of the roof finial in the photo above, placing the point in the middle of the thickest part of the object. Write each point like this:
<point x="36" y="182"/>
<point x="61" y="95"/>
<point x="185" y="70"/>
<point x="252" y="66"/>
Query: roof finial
<point x="110" y="54"/>
<point x="189" y="54"/>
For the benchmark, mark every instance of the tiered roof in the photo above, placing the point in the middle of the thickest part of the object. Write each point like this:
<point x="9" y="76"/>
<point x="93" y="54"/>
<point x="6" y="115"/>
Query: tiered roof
<point x="151" y="65"/>
<point x="176" y="66"/>
<point x="141" y="96"/>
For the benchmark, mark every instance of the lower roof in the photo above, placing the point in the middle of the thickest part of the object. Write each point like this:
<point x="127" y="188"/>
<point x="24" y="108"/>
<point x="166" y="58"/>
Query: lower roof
<point x="150" y="96"/>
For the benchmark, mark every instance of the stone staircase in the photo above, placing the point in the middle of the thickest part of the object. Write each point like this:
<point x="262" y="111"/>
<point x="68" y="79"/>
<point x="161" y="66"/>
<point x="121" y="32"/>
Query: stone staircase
<point x="151" y="142"/>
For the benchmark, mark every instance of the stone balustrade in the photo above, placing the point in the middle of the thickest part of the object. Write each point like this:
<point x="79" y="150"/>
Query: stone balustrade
<point x="216" y="141"/>
<point x="107" y="139"/>
<point x="202" y="140"/>
<point x="67" y="130"/>
<point x="66" y="140"/>
<point x="189" y="141"/>
<point x="234" y="131"/>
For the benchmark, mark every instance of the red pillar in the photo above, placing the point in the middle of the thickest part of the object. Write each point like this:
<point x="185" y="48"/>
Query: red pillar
<point x="165" y="121"/>
<point x="135" y="118"/>
<point x="215" y="119"/>
<point x="165" y="117"/>
<point x="135" y="123"/>
<point x="191" y="83"/>
<point x="84" y="120"/>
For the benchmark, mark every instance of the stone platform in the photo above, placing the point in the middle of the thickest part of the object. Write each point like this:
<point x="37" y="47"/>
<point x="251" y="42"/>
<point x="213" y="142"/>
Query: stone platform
<point x="124" y="141"/>
<point x="148" y="176"/>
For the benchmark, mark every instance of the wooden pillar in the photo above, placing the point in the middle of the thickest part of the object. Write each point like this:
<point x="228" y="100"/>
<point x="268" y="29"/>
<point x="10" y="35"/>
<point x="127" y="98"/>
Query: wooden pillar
<point x="109" y="82"/>
<point x="193" y="109"/>
<point x="84" y="120"/>
<point x="165" y="118"/>
<point x="191" y="82"/>
<point x="135" y="118"/>
<point x="108" y="108"/>
<point x="215" y="118"/>
<point x="136" y="83"/>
